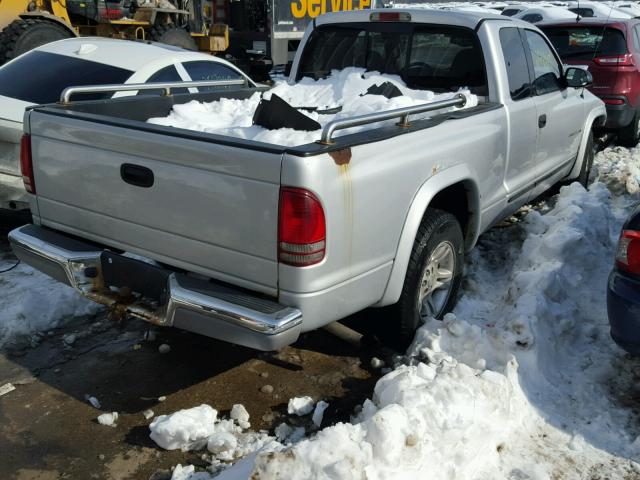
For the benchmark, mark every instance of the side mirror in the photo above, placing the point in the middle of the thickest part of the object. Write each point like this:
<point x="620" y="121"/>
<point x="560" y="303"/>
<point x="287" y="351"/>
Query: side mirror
<point x="577" y="77"/>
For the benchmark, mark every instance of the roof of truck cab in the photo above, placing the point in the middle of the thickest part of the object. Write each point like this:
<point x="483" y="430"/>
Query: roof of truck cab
<point x="458" y="18"/>
<point x="127" y="54"/>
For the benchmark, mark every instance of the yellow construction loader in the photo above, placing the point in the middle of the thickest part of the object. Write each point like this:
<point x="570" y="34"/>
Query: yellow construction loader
<point x="26" y="24"/>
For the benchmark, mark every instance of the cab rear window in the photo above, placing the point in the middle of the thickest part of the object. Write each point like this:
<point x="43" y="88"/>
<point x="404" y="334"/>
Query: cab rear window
<point x="39" y="77"/>
<point x="586" y="42"/>
<point x="440" y="58"/>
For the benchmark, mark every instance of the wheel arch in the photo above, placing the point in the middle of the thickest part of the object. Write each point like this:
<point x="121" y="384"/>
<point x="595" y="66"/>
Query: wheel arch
<point x="596" y="118"/>
<point x="452" y="190"/>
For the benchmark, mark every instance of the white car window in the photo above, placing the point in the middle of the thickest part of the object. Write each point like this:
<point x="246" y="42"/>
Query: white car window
<point x="200" y="70"/>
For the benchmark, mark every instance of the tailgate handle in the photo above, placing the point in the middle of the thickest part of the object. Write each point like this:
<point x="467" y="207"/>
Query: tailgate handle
<point x="136" y="175"/>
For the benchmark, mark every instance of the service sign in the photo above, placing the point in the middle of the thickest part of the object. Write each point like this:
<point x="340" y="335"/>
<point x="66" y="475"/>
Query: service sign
<point x="290" y="17"/>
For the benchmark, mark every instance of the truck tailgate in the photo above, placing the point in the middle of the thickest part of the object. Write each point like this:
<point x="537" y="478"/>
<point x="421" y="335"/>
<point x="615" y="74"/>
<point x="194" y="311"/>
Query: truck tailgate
<point x="211" y="209"/>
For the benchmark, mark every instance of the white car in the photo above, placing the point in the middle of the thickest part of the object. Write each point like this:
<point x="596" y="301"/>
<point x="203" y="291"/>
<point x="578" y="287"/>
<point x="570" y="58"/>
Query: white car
<point x="545" y="14"/>
<point x="40" y="75"/>
<point x="596" y="9"/>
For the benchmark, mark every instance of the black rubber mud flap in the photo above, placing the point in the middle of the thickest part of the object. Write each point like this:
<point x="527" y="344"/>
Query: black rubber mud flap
<point x="276" y="113"/>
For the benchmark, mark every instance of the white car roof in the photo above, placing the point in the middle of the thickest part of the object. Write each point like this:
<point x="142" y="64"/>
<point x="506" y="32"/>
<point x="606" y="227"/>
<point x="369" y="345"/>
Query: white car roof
<point x="548" y="13"/>
<point x="127" y="54"/>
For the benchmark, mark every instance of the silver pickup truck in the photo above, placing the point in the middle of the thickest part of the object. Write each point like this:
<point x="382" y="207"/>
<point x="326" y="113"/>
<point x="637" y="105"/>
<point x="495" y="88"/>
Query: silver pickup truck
<point x="254" y="243"/>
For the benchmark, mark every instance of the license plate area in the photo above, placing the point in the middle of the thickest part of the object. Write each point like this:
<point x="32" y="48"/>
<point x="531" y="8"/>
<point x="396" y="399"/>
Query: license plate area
<point x="140" y="277"/>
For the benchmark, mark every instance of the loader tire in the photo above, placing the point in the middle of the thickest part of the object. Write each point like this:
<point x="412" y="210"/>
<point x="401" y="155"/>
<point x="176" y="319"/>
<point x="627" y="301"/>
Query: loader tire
<point x="23" y="35"/>
<point x="172" y="35"/>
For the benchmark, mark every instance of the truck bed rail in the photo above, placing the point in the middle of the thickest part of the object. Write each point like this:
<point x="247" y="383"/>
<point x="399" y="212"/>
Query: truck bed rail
<point x="403" y="113"/>
<point x="65" y="96"/>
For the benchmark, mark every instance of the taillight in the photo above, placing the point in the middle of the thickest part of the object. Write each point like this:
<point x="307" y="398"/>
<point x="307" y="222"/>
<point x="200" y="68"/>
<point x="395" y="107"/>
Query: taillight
<point x="614" y="60"/>
<point x="301" y="228"/>
<point x="26" y="164"/>
<point x="613" y="101"/>
<point x="628" y="253"/>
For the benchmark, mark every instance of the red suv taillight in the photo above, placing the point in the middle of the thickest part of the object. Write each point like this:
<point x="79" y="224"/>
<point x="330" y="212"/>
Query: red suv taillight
<point x="26" y="164"/>
<point x="628" y="253"/>
<point x="614" y="60"/>
<point x="301" y="228"/>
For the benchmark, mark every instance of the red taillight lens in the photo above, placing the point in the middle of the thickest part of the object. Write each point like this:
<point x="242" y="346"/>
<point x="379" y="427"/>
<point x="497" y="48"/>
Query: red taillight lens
<point x="613" y="101"/>
<point x="301" y="229"/>
<point x="615" y="60"/>
<point x="628" y="253"/>
<point x="26" y="164"/>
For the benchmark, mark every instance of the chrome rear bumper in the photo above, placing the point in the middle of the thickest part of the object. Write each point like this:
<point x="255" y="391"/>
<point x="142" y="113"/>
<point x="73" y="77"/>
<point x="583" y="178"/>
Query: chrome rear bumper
<point x="156" y="294"/>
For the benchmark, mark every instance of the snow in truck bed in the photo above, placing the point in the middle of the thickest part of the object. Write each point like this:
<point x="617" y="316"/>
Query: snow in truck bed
<point x="343" y="88"/>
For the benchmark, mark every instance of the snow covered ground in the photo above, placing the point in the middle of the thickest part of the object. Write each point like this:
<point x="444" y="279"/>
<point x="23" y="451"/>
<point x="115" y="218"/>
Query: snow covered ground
<point x="31" y="302"/>
<point x="345" y="89"/>
<point x="521" y="382"/>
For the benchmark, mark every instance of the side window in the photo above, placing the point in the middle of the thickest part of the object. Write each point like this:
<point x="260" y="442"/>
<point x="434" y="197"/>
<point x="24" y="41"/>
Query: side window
<point x="636" y="38"/>
<point x="516" y="63"/>
<point x="547" y="70"/>
<point x="204" y="70"/>
<point x="166" y="74"/>
<point x="532" y="17"/>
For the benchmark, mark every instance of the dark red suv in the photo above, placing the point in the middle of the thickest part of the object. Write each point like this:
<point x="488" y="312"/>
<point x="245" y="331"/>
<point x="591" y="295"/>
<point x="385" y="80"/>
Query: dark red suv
<point x="611" y="50"/>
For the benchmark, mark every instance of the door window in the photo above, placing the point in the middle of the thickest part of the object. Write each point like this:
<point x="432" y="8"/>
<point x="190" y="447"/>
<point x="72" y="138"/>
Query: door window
<point x="547" y="70"/>
<point x="516" y="63"/>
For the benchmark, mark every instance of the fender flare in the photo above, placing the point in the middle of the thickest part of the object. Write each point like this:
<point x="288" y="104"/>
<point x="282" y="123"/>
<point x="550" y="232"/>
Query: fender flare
<point x="50" y="17"/>
<point x="599" y="111"/>
<point x="420" y="203"/>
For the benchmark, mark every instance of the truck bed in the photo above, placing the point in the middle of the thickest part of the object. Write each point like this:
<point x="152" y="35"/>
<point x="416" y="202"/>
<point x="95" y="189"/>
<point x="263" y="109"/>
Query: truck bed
<point x="213" y="208"/>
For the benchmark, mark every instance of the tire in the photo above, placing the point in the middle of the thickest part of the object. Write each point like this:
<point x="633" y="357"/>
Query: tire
<point x="23" y="35"/>
<point x="172" y="35"/>
<point x="438" y="230"/>
<point x="587" y="162"/>
<point x="630" y="135"/>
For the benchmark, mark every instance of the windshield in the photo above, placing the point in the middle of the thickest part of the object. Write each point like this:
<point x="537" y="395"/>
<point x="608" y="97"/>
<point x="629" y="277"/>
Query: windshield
<point x="39" y="77"/>
<point x="586" y="42"/>
<point x="439" y="58"/>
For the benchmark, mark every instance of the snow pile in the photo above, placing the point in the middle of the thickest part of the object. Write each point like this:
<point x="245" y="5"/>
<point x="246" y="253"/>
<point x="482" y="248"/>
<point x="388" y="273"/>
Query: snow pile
<point x="343" y="88"/>
<point x="619" y="168"/>
<point x="199" y="427"/>
<point x="184" y="429"/>
<point x="32" y="302"/>
<point x="300" y="406"/>
<point x="519" y="383"/>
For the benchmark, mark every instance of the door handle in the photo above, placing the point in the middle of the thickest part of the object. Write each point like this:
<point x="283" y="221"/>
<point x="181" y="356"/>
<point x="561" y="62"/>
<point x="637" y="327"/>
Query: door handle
<point x="136" y="175"/>
<point x="542" y="121"/>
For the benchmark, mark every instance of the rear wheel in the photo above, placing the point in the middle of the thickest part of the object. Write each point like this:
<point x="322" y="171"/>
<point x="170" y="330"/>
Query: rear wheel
<point x="172" y="35"/>
<point x="23" y="35"/>
<point x="630" y="135"/>
<point x="433" y="275"/>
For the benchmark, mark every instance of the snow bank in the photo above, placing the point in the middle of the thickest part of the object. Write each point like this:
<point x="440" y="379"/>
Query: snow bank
<point x="33" y="302"/>
<point x="518" y="383"/>
<point x="619" y="169"/>
<point x="343" y="88"/>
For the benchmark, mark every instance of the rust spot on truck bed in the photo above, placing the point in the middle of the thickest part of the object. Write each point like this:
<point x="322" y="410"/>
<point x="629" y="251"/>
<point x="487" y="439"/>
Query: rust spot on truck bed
<point x="341" y="157"/>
